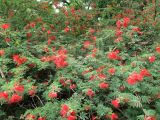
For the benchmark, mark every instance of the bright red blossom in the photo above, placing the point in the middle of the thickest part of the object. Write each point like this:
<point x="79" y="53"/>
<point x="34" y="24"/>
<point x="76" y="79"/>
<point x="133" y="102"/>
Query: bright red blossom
<point x="71" y="117"/>
<point x="114" y="116"/>
<point x="158" y="49"/>
<point x="152" y="59"/>
<point x="103" y="85"/>
<point x="145" y="72"/>
<point x="113" y="55"/>
<point x="64" y="110"/>
<point x="30" y="117"/>
<point x="67" y="29"/>
<point x="5" y="26"/>
<point x="90" y="93"/>
<point x="15" y="98"/>
<point x="2" y="52"/>
<point x="112" y="71"/>
<point x="52" y="95"/>
<point x="19" y="88"/>
<point x="126" y="20"/>
<point x="86" y="44"/>
<point x="115" y="103"/>
<point x="41" y="118"/>
<point x="118" y="23"/>
<point x="4" y="95"/>
<point x="134" y="78"/>
<point x="19" y="60"/>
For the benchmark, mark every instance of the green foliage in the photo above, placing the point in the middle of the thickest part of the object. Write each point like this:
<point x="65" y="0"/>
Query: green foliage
<point x="58" y="62"/>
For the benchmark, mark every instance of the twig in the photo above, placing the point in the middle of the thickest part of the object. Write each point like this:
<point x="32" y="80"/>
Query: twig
<point x="34" y="105"/>
<point x="39" y="100"/>
<point x="2" y="74"/>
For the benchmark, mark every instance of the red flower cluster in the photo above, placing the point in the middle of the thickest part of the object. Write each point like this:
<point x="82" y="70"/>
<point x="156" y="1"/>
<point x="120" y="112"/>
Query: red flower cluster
<point x="152" y="59"/>
<point x="52" y="95"/>
<point x="64" y="113"/>
<point x="114" y="116"/>
<point x="5" y="26"/>
<point x="64" y="110"/>
<point x="112" y="71"/>
<point x="119" y="24"/>
<point x="158" y="49"/>
<point x="103" y="85"/>
<point x="19" y="88"/>
<point x="136" y="77"/>
<point x="19" y="60"/>
<point x="59" y="59"/>
<point x="2" y="52"/>
<point x="90" y="93"/>
<point x="115" y="103"/>
<point x="113" y="55"/>
<point x="15" y="98"/>
<point x="4" y="95"/>
<point x="30" y="117"/>
<point x="86" y="44"/>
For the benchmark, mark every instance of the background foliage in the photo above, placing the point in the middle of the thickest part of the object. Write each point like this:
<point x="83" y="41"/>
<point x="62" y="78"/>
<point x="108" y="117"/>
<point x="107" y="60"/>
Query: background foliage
<point x="73" y="60"/>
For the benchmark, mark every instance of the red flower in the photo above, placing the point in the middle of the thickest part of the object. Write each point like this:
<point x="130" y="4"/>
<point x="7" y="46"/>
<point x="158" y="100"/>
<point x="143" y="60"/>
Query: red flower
<point x="112" y="71"/>
<point x="49" y="32"/>
<point x="62" y="51"/>
<point x="118" y="23"/>
<point x="19" y="88"/>
<point x="67" y="29"/>
<point x="118" y="39"/>
<point x="7" y="39"/>
<point x="52" y="95"/>
<point x="2" y="52"/>
<point x="136" y="29"/>
<point x="103" y="85"/>
<point x="113" y="55"/>
<point x="102" y="76"/>
<point x="32" y="24"/>
<point x="86" y="44"/>
<point x="73" y="86"/>
<point x="114" y="116"/>
<point x="71" y="117"/>
<point x="60" y="61"/>
<point x="131" y="81"/>
<point x="145" y="72"/>
<point x="90" y="93"/>
<point x="19" y="60"/>
<point x="118" y="33"/>
<point x="115" y="103"/>
<point x="31" y="92"/>
<point x="5" y="26"/>
<point x="152" y="59"/>
<point x="150" y="118"/>
<point x="30" y="117"/>
<point x="52" y="37"/>
<point x="134" y="78"/>
<point x="158" y="49"/>
<point x="91" y="31"/>
<point x="15" y="98"/>
<point x="4" y="95"/>
<point x="64" y="110"/>
<point x="126" y="20"/>
<point x="41" y="118"/>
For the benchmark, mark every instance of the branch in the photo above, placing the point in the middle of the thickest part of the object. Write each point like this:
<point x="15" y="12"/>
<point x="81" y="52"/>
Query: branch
<point x="39" y="100"/>
<point x="2" y="74"/>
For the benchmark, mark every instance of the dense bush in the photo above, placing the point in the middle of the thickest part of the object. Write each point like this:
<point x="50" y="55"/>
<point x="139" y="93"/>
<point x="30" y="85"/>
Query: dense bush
<point x="81" y="60"/>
